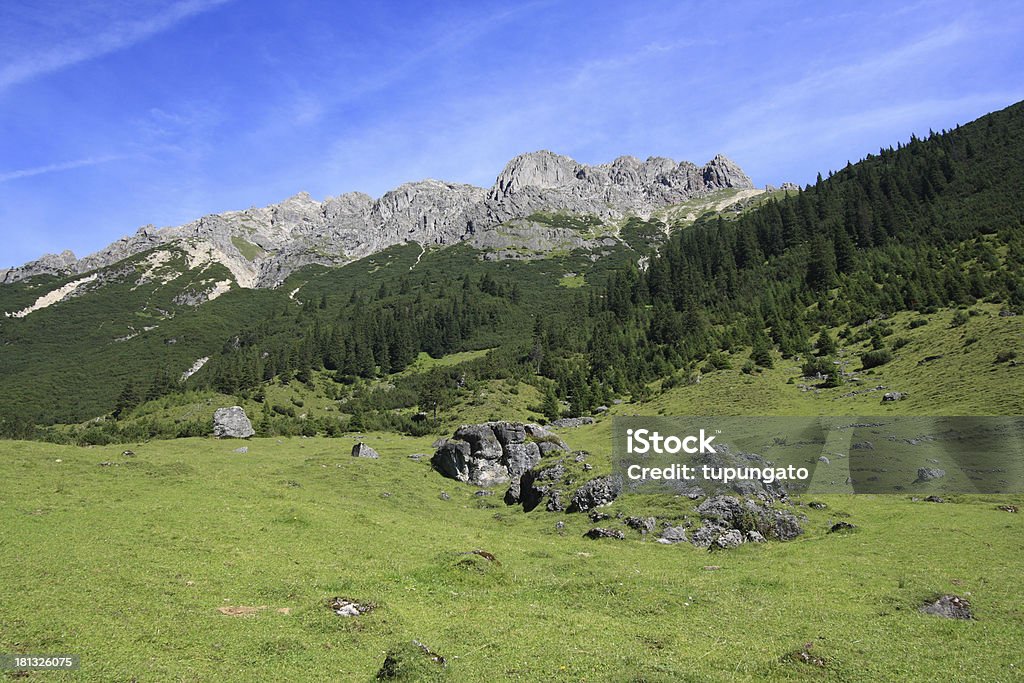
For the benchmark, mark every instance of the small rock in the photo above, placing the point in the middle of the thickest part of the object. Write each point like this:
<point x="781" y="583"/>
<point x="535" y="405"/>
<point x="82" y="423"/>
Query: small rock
<point x="598" y="532"/>
<point x="673" y="534"/>
<point x="644" y="525"/>
<point x="949" y="607"/>
<point x="892" y="396"/>
<point x="483" y="493"/>
<point x="755" y="537"/>
<point x="444" y="496"/>
<point x="841" y="526"/>
<point x="242" y="449"/>
<point x="1008" y="508"/>
<point x="128" y="454"/>
<point x="815" y="505"/>
<point x="934" y="499"/>
<point x="345" y="607"/>
<point x="598" y="516"/>
<point x="824" y="459"/>
<point x="559" y="525"/>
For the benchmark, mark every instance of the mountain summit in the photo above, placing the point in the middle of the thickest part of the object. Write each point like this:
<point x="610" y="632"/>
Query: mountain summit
<point x="262" y="246"/>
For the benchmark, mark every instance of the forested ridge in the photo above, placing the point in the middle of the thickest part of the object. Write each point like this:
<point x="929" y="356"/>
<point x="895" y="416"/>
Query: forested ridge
<point x="932" y="223"/>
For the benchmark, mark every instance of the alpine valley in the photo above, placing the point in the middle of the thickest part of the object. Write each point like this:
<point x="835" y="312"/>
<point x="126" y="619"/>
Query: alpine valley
<point x="427" y="488"/>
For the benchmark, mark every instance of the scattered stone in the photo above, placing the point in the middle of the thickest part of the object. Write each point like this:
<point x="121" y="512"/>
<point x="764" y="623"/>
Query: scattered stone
<point x="106" y="463"/>
<point x="411" y="661"/>
<point x="567" y="422"/>
<point x="580" y="456"/>
<point x="816" y="505"/>
<point x="241" y="449"/>
<point x="756" y="537"/>
<point x="418" y="456"/>
<point x="841" y="526"/>
<point x="673" y="534"/>
<point x="949" y="607"/>
<point x="598" y="516"/>
<point x="444" y="496"/>
<point x="824" y="459"/>
<point x="598" y="532"/>
<point x="385" y="494"/>
<point x="128" y="454"/>
<point x="934" y="499"/>
<point x="711" y="567"/>
<point x="1008" y="508"/>
<point x="232" y="423"/>
<point x="361" y="450"/>
<point x="803" y="656"/>
<point x="892" y="396"/>
<point x="929" y="474"/>
<point x="481" y="493"/>
<point x="587" y="467"/>
<point x="862" y="446"/>
<point x="559" y="525"/>
<point x="346" y="607"/>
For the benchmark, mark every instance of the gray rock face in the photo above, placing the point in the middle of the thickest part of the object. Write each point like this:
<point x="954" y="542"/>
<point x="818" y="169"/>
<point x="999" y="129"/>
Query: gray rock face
<point x="232" y="423"/>
<point x="361" y="450"/>
<point x="595" y="493"/>
<point x="262" y="246"/>
<point x="492" y="453"/>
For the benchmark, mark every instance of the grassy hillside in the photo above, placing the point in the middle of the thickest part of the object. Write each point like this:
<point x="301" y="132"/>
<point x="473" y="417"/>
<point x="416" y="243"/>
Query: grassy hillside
<point x="129" y="564"/>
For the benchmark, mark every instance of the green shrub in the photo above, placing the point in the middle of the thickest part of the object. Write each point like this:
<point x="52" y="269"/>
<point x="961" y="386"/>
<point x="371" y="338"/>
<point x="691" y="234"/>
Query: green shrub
<point x="872" y="359"/>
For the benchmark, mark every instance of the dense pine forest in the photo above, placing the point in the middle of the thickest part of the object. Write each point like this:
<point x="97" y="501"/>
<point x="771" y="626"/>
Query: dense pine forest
<point x="936" y="222"/>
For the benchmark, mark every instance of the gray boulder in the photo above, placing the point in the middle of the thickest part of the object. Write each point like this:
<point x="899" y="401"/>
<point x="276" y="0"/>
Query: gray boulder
<point x="644" y="525"/>
<point x="598" y="532"/>
<point x="595" y="493"/>
<point x="361" y="450"/>
<point x="673" y="534"/>
<point x="232" y="423"/>
<point x="729" y="539"/>
<point x="892" y="396"/>
<point x="949" y="607"/>
<point x="928" y="474"/>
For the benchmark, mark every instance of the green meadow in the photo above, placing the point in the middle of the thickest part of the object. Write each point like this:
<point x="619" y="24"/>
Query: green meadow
<point x="129" y="565"/>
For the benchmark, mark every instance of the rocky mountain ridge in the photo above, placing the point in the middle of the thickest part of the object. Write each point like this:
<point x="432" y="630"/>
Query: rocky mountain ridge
<point x="262" y="246"/>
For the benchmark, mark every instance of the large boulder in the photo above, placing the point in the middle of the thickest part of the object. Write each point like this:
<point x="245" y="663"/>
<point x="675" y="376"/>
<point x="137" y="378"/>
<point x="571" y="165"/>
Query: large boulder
<point x="494" y="453"/>
<point x="361" y="450"/>
<point x="232" y="423"/>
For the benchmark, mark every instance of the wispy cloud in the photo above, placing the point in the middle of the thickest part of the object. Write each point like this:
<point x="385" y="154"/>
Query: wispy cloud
<point x="117" y="37"/>
<point x="53" y="168"/>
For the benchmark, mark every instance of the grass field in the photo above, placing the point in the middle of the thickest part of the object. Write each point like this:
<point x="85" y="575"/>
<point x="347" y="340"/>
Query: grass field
<point x="128" y="564"/>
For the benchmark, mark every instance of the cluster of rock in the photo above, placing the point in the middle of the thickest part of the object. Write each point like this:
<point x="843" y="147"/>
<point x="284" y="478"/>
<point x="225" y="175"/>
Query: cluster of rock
<point x="540" y="470"/>
<point x="262" y="246"/>
<point x="495" y="453"/>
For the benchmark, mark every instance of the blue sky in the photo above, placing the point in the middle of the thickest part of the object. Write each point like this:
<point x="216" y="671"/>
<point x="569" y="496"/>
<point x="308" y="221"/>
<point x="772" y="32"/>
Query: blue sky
<point x="116" y="114"/>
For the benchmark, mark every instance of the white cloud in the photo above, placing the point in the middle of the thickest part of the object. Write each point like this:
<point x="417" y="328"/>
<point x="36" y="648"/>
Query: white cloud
<point x="52" y="168"/>
<point x="117" y="37"/>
